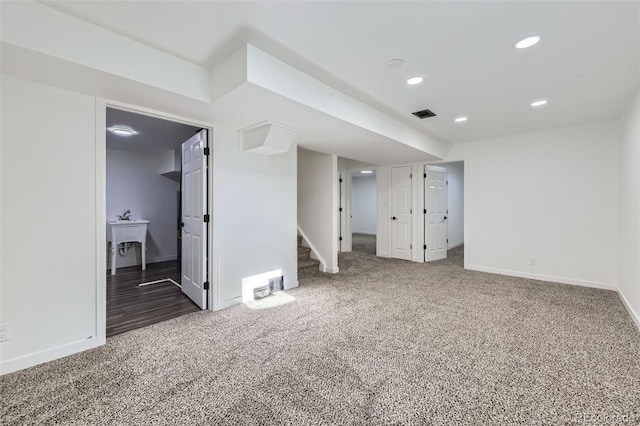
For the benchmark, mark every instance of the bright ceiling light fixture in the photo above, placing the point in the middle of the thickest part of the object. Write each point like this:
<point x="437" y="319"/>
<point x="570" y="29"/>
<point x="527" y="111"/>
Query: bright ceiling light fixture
<point x="527" y="42"/>
<point x="461" y="119"/>
<point x="122" y="130"/>
<point x="538" y="103"/>
<point x="366" y="172"/>
<point x="415" y="80"/>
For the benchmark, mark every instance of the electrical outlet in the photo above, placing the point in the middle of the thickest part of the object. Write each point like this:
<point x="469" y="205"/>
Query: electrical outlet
<point x="5" y="332"/>
<point x="532" y="261"/>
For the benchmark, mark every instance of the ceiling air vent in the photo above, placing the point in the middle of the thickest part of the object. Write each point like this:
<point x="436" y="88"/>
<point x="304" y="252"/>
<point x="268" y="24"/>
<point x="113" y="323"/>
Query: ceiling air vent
<point x="425" y="113"/>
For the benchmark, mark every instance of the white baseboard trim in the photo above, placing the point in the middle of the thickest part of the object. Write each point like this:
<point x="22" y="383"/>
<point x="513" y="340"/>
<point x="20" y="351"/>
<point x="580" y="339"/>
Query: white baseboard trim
<point x="314" y="252"/>
<point x="363" y="233"/>
<point x="149" y="261"/>
<point x="540" y="277"/>
<point x="452" y="246"/>
<point x="329" y="270"/>
<point x="162" y="259"/>
<point x="228" y="303"/>
<point x="35" y="358"/>
<point x="632" y="313"/>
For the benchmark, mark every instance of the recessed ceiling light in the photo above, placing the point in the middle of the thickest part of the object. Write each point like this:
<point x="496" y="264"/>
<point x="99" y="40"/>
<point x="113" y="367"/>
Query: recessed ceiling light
<point x="366" y="172"/>
<point x="122" y="130"/>
<point x="539" y="103"/>
<point x="415" y="80"/>
<point x="394" y="64"/>
<point x="461" y="119"/>
<point x="527" y="42"/>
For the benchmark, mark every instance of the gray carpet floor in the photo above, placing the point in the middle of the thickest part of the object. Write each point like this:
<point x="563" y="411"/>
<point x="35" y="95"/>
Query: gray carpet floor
<point x="363" y="243"/>
<point x="382" y="342"/>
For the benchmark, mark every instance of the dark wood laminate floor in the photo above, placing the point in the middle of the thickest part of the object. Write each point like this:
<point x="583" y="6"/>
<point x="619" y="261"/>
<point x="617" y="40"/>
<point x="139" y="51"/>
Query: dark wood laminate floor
<point x="130" y="307"/>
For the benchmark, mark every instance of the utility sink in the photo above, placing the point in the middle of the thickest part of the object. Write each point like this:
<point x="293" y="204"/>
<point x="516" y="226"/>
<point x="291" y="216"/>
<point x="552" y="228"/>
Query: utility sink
<point x="126" y="231"/>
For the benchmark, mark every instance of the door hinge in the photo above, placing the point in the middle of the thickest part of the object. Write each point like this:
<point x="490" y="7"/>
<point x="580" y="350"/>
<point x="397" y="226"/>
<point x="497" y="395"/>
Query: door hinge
<point x="447" y="211"/>
<point x="410" y="211"/>
<point x="424" y="247"/>
<point x="410" y="175"/>
<point x="447" y="182"/>
<point x="340" y="209"/>
<point x="411" y="246"/>
<point x="206" y="285"/>
<point x="447" y="240"/>
<point x="207" y="218"/>
<point x="425" y="175"/>
<point x="340" y="180"/>
<point x="340" y="238"/>
<point x="207" y="150"/>
<point x="425" y="211"/>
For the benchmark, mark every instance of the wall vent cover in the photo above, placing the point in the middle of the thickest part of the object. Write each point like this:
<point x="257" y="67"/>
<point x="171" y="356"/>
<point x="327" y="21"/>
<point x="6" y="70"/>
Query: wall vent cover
<point x="425" y="113"/>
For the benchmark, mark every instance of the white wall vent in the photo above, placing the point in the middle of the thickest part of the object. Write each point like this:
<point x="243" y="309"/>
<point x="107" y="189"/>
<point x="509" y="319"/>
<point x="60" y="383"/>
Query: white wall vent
<point x="267" y="138"/>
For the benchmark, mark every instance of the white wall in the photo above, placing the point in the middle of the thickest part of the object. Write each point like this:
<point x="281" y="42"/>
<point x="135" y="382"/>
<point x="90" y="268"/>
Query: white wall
<point x="48" y="224"/>
<point x="254" y="215"/>
<point x="317" y="205"/>
<point x="49" y="199"/>
<point x="629" y="210"/>
<point x="133" y="183"/>
<point x="552" y="196"/>
<point x="363" y="205"/>
<point x="455" y="203"/>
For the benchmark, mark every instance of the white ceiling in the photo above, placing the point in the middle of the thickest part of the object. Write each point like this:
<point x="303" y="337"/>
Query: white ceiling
<point x="154" y="134"/>
<point x="246" y="105"/>
<point x="587" y="64"/>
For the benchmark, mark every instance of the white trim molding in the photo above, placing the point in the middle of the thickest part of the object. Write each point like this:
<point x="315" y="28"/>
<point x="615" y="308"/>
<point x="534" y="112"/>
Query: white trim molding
<point x="323" y="265"/>
<point x="547" y="278"/>
<point x="635" y="316"/>
<point x="101" y="248"/>
<point x="47" y="355"/>
<point x="228" y="303"/>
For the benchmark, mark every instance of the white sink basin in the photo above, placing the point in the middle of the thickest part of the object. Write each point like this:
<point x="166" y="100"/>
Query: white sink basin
<point x="125" y="231"/>
<point x="127" y="222"/>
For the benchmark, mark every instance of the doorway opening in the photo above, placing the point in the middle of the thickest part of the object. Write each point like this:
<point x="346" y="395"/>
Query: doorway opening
<point x="444" y="211"/>
<point x="363" y="211"/>
<point x="157" y="219"/>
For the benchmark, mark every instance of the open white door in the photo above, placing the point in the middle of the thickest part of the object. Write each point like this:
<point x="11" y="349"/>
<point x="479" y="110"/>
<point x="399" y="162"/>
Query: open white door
<point x="435" y="204"/>
<point x="194" y="219"/>
<point x="401" y="212"/>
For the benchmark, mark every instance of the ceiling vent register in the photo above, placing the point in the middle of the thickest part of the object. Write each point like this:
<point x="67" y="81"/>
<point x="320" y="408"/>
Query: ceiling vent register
<point x="425" y="113"/>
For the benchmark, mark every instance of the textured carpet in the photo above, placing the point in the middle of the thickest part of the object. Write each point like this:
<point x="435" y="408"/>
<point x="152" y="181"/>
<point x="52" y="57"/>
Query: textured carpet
<point x="363" y="243"/>
<point x="382" y="342"/>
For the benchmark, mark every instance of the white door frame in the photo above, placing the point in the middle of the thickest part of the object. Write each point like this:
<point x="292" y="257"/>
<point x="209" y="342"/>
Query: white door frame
<point x="101" y="214"/>
<point x="419" y="233"/>
<point x="347" y="181"/>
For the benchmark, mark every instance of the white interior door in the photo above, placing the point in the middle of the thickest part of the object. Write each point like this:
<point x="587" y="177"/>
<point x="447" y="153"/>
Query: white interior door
<point x="194" y="227"/>
<point x="401" y="212"/>
<point x="435" y="204"/>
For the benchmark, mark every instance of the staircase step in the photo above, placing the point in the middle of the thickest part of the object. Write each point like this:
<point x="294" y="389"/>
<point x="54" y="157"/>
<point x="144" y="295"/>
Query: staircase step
<point x="303" y="252"/>
<point x="308" y="263"/>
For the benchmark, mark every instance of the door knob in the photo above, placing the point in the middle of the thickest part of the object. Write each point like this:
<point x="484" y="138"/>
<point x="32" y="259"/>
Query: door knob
<point x="393" y="218"/>
<point x="445" y="218"/>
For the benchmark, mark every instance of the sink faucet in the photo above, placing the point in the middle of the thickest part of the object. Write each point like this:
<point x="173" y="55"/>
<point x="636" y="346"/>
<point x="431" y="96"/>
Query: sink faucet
<point x="125" y="216"/>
